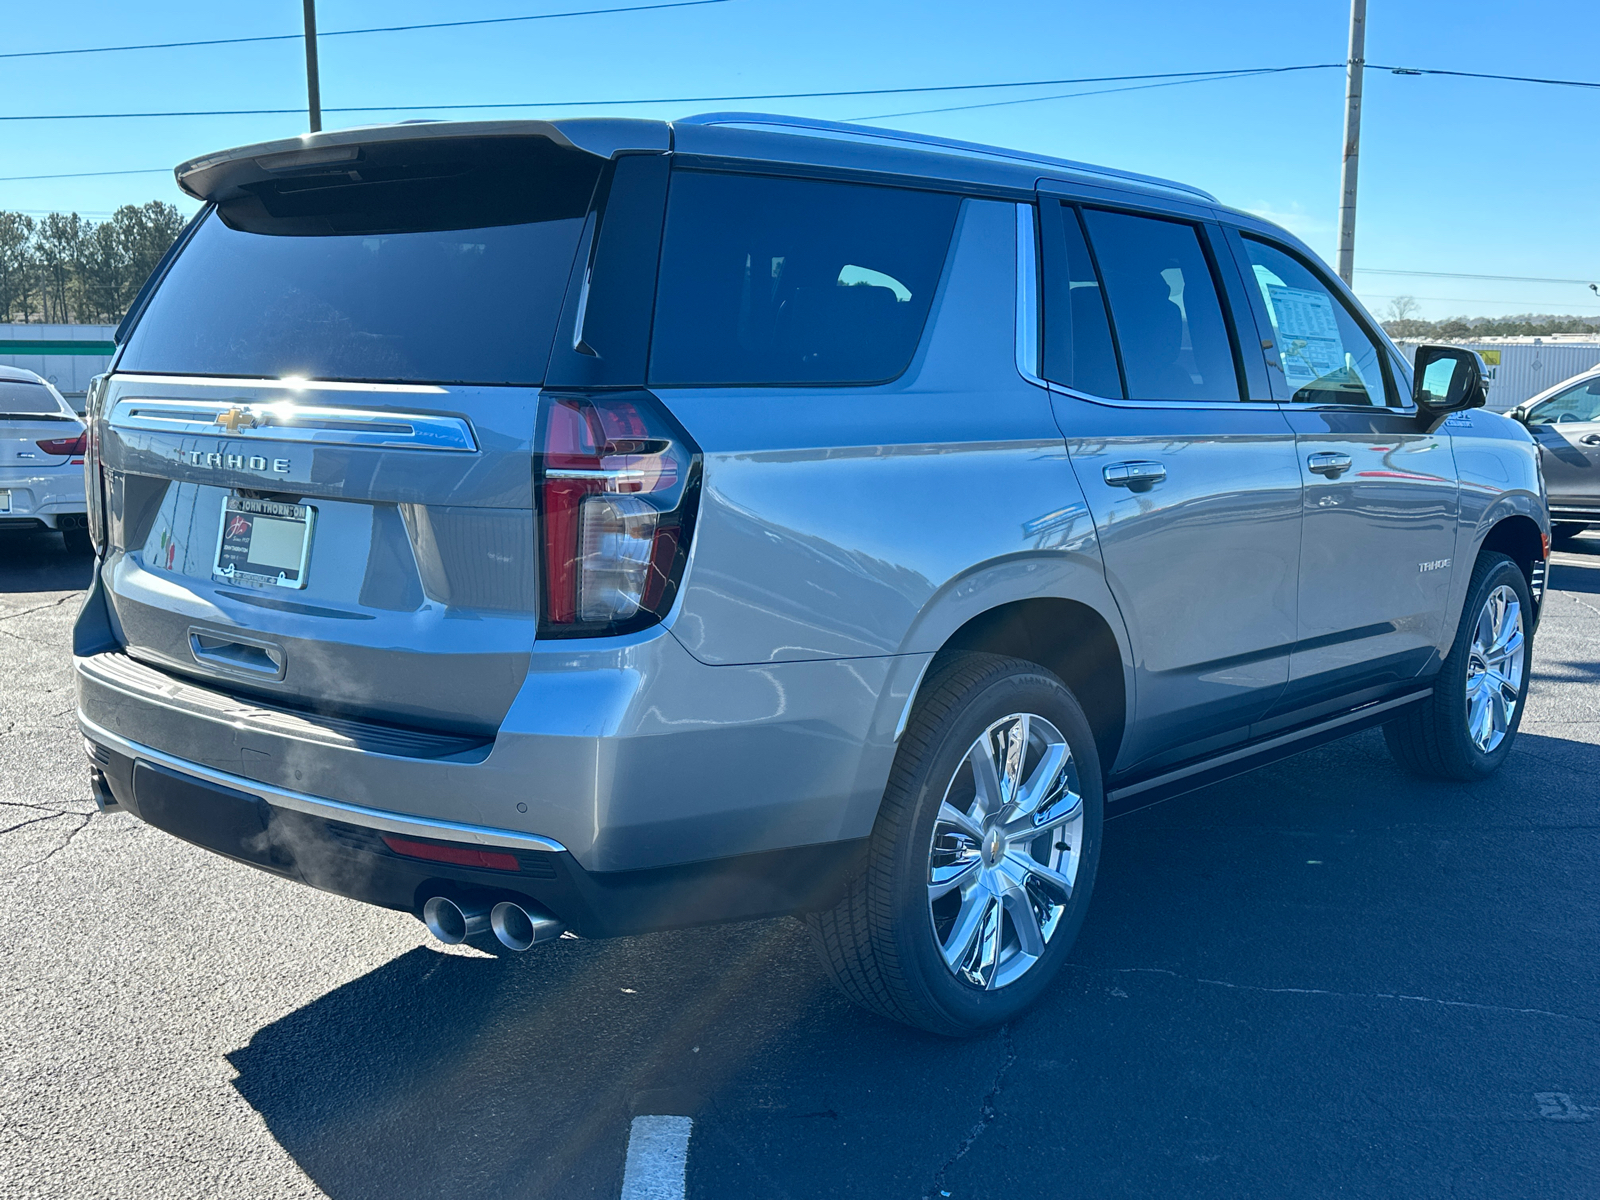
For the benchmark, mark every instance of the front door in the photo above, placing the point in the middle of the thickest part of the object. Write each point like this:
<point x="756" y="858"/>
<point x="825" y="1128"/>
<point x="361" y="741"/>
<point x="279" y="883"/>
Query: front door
<point x="1191" y="478"/>
<point x="1567" y="428"/>
<point x="1380" y="493"/>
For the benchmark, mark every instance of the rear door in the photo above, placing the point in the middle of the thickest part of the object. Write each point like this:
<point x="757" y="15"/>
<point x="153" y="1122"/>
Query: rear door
<point x="1380" y="490"/>
<point x="1187" y="464"/>
<point x="1567" y="428"/>
<point x="317" y="438"/>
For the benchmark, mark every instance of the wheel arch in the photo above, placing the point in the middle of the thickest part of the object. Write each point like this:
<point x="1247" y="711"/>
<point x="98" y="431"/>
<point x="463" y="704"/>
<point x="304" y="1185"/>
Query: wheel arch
<point x="1068" y="638"/>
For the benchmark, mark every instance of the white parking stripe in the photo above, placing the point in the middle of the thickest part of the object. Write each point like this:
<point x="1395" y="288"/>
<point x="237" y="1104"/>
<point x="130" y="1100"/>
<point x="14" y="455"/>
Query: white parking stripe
<point x="658" y="1155"/>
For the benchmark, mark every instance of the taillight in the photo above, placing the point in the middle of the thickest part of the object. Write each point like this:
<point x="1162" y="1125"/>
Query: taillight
<point x="77" y="446"/>
<point x="617" y="483"/>
<point x="94" y="479"/>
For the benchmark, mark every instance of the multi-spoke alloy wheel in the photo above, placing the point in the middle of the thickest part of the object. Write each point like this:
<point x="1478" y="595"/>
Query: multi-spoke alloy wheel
<point x="1005" y="851"/>
<point x="981" y="863"/>
<point x="1494" y="669"/>
<point x="1465" y="729"/>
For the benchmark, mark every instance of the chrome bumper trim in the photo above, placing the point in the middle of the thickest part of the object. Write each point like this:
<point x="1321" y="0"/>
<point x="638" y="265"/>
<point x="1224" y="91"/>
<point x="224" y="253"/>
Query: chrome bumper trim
<point x="330" y="810"/>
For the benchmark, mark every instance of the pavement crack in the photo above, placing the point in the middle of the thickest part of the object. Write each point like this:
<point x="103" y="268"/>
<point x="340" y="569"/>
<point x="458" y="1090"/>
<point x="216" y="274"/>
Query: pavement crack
<point x="987" y="1111"/>
<point x="41" y="607"/>
<point x="34" y="821"/>
<point x="83" y="823"/>
<point x="1296" y="991"/>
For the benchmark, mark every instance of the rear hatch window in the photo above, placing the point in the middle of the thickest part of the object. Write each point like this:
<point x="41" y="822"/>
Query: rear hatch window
<point x="424" y="262"/>
<point x="19" y="398"/>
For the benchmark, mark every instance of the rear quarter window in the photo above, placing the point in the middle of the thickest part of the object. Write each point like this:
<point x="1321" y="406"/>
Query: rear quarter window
<point x="772" y="281"/>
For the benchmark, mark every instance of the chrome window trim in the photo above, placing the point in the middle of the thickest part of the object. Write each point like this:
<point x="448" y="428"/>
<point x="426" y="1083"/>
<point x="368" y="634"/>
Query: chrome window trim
<point x="288" y="421"/>
<point x="1027" y="327"/>
<point x="328" y="810"/>
<point x="291" y="384"/>
<point x="1187" y="405"/>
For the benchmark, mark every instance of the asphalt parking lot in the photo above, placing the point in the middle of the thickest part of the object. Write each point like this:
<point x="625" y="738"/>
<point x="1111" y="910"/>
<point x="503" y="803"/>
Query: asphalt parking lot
<point x="1321" y="979"/>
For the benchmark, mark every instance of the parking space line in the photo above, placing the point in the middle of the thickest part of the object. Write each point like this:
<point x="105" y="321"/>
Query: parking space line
<point x="658" y="1156"/>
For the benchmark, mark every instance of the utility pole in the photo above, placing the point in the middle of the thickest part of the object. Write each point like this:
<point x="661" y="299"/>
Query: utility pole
<point x="313" y="83"/>
<point x="1352" y="140"/>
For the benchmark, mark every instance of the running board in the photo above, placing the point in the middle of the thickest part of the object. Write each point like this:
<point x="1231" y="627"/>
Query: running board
<point x="1258" y="754"/>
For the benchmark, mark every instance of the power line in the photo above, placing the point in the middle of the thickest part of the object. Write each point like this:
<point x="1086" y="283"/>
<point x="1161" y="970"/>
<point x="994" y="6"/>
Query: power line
<point x="1577" y="83"/>
<point x="295" y="37"/>
<point x="900" y="91"/>
<point x="1458" y="275"/>
<point x="87" y="174"/>
<point x="1478" y="300"/>
<point x="1211" y="78"/>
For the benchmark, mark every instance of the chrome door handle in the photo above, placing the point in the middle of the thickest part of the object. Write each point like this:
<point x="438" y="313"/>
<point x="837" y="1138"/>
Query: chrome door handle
<point x="1331" y="465"/>
<point x="1592" y="439"/>
<point x="1135" y="476"/>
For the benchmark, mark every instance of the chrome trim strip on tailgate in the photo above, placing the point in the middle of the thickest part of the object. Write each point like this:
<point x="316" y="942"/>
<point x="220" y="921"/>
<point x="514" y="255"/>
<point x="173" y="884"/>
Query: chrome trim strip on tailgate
<point x="329" y="810"/>
<point x="286" y="421"/>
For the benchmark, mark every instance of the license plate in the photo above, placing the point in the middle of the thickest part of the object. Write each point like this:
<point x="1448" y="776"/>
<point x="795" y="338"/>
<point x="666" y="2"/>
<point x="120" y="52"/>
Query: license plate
<point x="263" y="543"/>
<point x="5" y="501"/>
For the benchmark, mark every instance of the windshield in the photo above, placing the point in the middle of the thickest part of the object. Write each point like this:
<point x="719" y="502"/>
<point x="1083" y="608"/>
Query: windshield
<point x="1580" y="403"/>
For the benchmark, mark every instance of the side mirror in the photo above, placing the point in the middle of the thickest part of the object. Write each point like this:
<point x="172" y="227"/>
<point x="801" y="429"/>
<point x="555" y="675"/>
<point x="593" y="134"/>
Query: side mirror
<point x="1448" y="379"/>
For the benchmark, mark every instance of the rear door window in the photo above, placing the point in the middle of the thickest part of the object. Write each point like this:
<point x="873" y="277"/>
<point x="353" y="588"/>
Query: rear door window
<point x="1078" y="351"/>
<point x="772" y="281"/>
<point x="1169" y="323"/>
<point x="1327" y="358"/>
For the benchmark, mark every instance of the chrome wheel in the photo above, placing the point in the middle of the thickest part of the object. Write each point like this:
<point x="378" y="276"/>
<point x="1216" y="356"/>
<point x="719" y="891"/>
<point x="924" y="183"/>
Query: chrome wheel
<point x="1006" y="846"/>
<point x="1494" y="669"/>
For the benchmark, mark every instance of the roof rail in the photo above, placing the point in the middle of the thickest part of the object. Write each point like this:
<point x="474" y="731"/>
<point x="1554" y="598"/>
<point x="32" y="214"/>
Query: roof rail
<point x="871" y="133"/>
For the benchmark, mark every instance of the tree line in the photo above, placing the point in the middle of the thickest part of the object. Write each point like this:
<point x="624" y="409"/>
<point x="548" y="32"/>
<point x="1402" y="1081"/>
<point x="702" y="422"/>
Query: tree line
<point x="1402" y="322"/>
<point x="63" y="269"/>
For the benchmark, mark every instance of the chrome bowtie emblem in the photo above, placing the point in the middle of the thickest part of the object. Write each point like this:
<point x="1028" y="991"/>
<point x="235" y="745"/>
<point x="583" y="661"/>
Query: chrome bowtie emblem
<point x="237" y="418"/>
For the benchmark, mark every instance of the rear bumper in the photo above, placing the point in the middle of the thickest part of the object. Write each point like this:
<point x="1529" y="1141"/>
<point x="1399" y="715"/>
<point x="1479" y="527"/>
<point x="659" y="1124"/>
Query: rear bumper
<point x="44" y="497"/>
<point x="341" y="849"/>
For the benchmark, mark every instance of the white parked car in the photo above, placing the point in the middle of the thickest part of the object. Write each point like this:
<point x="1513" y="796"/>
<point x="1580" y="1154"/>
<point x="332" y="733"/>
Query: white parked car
<point x="42" y="442"/>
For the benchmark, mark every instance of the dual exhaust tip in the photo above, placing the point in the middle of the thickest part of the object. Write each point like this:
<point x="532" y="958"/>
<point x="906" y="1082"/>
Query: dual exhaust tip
<point x="517" y="928"/>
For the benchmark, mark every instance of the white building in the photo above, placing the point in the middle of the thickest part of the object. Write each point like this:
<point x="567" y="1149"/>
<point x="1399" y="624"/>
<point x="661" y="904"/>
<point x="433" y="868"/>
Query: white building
<point x="69" y="356"/>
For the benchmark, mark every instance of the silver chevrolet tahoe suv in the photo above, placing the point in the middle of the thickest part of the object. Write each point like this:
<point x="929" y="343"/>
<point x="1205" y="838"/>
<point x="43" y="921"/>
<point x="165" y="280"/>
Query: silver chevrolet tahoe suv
<point x="607" y="526"/>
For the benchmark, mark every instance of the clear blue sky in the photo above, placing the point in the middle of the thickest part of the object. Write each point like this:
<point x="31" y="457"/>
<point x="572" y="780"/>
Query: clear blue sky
<point x="1462" y="176"/>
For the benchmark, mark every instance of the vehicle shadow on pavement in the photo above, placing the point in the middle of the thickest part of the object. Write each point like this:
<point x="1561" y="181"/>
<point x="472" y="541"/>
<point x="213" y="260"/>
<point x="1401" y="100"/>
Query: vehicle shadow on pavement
<point x="445" y="1075"/>
<point x="1327" y="915"/>
<point x="37" y="562"/>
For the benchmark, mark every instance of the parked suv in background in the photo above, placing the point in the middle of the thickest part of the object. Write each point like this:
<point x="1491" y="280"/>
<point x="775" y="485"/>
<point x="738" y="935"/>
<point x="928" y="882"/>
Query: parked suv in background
<point x="607" y="526"/>
<point x="1565" y="422"/>
<point x="42" y="445"/>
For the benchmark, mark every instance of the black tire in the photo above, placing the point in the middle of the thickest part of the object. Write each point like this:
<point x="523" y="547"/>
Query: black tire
<point x="78" y="541"/>
<point x="879" y="943"/>
<point x="1563" y="533"/>
<point x="1432" y="738"/>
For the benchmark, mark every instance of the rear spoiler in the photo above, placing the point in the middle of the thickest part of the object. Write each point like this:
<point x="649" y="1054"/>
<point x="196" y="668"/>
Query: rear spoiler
<point x="226" y="175"/>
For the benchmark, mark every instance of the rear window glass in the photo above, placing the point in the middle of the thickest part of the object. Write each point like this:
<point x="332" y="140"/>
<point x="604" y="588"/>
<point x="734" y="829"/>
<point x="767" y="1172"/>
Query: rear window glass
<point x="20" y="398"/>
<point x="443" y="306"/>
<point x="440" y="261"/>
<point x="794" y="281"/>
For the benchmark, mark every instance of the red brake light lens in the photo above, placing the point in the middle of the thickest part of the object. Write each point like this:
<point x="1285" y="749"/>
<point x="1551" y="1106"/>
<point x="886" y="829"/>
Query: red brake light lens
<point x="617" y="483"/>
<point x="75" y="446"/>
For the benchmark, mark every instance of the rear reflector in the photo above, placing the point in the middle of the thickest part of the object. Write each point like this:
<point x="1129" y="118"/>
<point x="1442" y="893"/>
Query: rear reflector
<point x="459" y="856"/>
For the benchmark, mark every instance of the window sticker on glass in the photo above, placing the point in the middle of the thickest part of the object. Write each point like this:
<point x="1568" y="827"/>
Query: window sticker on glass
<point x="1308" y="333"/>
<point x="263" y="543"/>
